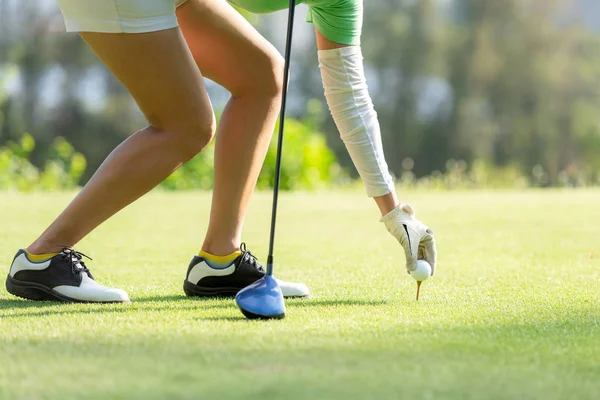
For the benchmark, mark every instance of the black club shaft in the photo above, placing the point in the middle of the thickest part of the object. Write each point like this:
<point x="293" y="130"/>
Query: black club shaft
<point x="286" y="76"/>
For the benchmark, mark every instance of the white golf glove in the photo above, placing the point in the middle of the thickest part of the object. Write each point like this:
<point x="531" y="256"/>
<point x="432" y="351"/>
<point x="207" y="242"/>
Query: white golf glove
<point x="414" y="236"/>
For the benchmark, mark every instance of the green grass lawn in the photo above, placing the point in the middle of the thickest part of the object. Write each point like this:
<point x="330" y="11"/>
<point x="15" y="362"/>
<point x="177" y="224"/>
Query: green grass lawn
<point x="513" y="312"/>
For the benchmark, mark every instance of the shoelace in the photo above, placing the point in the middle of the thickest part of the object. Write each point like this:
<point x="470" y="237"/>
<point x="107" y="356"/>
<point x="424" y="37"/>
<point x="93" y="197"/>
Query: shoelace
<point x="250" y="258"/>
<point x="75" y="258"/>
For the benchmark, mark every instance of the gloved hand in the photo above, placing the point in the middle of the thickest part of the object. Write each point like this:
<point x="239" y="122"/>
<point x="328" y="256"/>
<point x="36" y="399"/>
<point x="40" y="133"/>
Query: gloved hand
<point x="415" y="237"/>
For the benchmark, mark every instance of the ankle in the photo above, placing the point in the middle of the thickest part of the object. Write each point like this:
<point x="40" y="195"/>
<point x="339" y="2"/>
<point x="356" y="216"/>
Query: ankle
<point x="41" y="247"/>
<point x="221" y="248"/>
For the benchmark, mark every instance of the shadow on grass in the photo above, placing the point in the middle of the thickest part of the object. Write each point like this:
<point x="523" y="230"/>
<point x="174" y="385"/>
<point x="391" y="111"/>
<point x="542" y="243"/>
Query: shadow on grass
<point x="17" y="308"/>
<point x="22" y="304"/>
<point x="32" y="313"/>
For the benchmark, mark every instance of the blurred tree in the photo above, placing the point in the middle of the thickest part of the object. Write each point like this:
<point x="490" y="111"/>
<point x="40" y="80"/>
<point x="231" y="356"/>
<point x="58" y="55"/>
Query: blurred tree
<point x="513" y="84"/>
<point x="523" y="84"/>
<point x="41" y="54"/>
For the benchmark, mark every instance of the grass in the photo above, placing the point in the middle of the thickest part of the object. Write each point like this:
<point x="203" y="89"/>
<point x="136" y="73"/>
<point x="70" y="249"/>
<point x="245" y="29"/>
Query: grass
<point x="513" y="312"/>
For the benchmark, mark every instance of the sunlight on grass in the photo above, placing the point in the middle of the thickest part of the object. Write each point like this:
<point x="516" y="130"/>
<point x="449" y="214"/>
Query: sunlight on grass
<point x="512" y="312"/>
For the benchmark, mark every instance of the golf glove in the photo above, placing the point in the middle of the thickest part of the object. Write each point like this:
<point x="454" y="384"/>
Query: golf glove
<point x="415" y="237"/>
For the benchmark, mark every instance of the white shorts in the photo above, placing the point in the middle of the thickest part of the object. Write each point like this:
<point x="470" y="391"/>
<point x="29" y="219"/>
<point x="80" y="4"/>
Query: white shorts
<point x="119" y="16"/>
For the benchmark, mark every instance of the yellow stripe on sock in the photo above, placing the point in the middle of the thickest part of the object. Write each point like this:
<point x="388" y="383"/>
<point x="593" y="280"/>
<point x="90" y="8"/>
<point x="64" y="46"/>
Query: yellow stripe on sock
<point x="39" y="257"/>
<point x="220" y="259"/>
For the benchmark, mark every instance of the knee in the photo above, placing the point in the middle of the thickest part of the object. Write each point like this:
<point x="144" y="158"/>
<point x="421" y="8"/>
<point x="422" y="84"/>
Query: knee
<point x="276" y="78"/>
<point x="188" y="134"/>
<point x="265" y="80"/>
<point x="194" y="135"/>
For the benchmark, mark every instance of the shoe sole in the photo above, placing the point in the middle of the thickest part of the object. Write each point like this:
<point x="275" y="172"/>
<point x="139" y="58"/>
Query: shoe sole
<point x="192" y="290"/>
<point x="39" y="292"/>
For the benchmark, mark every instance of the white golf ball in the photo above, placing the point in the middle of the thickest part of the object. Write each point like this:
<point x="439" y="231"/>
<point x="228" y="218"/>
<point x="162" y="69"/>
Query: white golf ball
<point x="422" y="272"/>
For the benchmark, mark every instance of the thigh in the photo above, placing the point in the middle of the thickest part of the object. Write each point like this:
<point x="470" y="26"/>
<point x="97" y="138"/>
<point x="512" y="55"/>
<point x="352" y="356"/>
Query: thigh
<point x="227" y="49"/>
<point x="159" y="72"/>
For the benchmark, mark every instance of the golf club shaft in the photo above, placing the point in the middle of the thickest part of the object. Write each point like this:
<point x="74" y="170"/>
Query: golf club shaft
<point x="286" y="76"/>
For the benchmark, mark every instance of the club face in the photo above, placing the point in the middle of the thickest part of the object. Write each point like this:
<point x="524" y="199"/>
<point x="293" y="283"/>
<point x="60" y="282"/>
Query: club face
<point x="262" y="300"/>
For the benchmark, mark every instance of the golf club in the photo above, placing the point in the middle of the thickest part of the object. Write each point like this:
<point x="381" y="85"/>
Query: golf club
<point x="263" y="299"/>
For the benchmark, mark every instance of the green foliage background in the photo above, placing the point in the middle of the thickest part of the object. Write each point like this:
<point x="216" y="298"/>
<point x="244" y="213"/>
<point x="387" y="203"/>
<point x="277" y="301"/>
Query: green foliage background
<point x="468" y="92"/>
<point x="307" y="163"/>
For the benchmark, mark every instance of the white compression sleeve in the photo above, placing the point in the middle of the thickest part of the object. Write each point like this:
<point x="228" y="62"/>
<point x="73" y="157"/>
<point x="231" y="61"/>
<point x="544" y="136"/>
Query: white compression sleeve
<point x="348" y="99"/>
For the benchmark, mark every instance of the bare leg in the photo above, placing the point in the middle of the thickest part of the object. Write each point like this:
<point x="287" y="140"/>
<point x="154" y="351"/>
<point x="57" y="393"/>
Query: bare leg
<point x="159" y="72"/>
<point x="386" y="202"/>
<point x="229" y="51"/>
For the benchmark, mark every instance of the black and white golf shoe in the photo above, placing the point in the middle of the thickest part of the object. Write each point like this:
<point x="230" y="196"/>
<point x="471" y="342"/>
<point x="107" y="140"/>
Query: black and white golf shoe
<point x="205" y="281"/>
<point x="63" y="277"/>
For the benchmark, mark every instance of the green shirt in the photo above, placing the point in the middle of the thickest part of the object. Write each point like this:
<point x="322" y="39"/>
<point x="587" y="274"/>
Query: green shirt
<point x="338" y="20"/>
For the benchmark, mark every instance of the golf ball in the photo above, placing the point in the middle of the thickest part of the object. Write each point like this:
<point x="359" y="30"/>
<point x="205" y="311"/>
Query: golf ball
<point x="422" y="272"/>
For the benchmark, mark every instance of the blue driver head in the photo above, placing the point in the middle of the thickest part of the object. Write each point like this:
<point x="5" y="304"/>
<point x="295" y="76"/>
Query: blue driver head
<point x="263" y="299"/>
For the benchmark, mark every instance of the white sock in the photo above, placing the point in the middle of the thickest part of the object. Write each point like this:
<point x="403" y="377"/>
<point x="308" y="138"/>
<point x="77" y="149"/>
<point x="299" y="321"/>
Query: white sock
<point x="348" y="98"/>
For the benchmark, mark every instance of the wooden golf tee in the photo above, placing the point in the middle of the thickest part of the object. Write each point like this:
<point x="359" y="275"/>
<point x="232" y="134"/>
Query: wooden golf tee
<point x="418" y="288"/>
